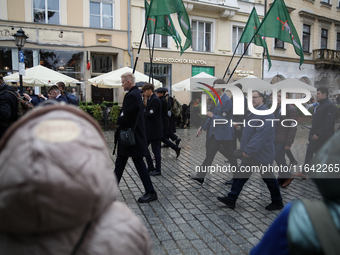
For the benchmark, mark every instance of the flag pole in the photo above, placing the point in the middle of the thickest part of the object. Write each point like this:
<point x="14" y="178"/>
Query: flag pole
<point x="141" y="40"/>
<point x="231" y="60"/>
<point x="241" y="57"/>
<point x="264" y="50"/>
<point x="151" y="55"/>
<point x="248" y="46"/>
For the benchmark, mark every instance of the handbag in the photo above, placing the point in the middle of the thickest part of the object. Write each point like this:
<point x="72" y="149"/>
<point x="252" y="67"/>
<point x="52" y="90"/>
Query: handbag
<point x="127" y="135"/>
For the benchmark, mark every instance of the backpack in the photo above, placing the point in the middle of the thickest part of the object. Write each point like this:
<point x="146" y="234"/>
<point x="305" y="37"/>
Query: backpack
<point x="72" y="99"/>
<point x="176" y="108"/>
<point x="23" y="106"/>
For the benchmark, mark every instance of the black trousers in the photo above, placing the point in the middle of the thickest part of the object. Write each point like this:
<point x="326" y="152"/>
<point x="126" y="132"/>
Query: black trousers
<point x="212" y="147"/>
<point x="156" y="149"/>
<point x="141" y="169"/>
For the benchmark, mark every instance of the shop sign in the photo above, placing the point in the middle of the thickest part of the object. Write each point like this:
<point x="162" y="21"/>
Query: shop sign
<point x="180" y="61"/>
<point x="243" y="73"/>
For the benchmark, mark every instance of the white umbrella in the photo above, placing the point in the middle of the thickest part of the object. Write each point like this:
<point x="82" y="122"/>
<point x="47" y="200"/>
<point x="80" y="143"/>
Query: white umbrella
<point x="113" y="79"/>
<point x="185" y="85"/>
<point x="253" y="82"/>
<point x="293" y="83"/>
<point x="39" y="76"/>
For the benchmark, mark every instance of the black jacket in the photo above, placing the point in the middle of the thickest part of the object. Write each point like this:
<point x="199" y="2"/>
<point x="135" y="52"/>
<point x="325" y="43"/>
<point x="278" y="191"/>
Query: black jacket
<point x="165" y="116"/>
<point x="132" y="112"/>
<point x="153" y="119"/>
<point x="8" y="107"/>
<point x="323" y="120"/>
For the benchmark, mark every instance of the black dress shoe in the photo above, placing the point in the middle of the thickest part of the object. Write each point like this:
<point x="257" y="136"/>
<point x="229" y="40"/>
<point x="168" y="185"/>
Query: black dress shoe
<point x="178" y="140"/>
<point x="225" y="200"/>
<point x="200" y="180"/>
<point x="274" y="206"/>
<point x="230" y="182"/>
<point x="151" y="169"/>
<point x="148" y="197"/>
<point x="178" y="151"/>
<point x="155" y="173"/>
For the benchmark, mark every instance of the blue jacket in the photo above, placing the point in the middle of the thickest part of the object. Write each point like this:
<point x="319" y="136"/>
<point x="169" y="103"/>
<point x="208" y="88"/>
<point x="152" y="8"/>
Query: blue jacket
<point x="223" y="132"/>
<point x="258" y="142"/>
<point x="61" y="98"/>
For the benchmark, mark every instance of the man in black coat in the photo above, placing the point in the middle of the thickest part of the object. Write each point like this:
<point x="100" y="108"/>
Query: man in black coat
<point x="132" y="116"/>
<point x="322" y="126"/>
<point x="8" y="106"/>
<point x="153" y="127"/>
<point x="165" y="120"/>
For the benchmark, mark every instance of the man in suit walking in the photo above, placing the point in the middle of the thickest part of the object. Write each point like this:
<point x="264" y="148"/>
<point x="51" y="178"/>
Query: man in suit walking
<point x="257" y="144"/>
<point x="132" y="116"/>
<point x="219" y="136"/>
<point x="153" y="127"/>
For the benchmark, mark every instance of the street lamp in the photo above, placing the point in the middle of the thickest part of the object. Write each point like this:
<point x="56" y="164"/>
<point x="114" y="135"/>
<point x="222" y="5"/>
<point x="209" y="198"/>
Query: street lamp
<point x="20" y="39"/>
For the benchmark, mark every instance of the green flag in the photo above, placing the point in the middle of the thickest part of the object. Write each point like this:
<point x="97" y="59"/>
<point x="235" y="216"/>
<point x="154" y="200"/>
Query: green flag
<point x="252" y="25"/>
<point x="277" y="24"/>
<point x="163" y="26"/>
<point x="167" y="7"/>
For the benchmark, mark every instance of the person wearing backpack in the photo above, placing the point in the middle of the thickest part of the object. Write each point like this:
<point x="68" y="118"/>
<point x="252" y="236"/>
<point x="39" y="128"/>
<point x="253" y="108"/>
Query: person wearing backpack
<point x="8" y="106"/>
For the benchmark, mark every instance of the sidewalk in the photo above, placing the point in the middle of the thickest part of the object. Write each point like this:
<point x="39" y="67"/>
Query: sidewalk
<point x="188" y="218"/>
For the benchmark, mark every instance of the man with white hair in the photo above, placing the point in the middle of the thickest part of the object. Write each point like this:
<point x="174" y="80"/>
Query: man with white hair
<point x="132" y="117"/>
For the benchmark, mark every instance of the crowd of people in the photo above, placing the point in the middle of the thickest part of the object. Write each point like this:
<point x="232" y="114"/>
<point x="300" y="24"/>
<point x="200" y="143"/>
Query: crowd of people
<point x="13" y="104"/>
<point x="148" y="119"/>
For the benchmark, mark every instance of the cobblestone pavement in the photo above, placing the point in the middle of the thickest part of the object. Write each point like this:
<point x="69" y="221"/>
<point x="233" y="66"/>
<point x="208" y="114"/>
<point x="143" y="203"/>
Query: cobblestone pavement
<point x="188" y="219"/>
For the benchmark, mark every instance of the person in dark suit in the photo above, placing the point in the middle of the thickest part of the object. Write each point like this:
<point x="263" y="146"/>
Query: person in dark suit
<point x="153" y="127"/>
<point x="55" y="93"/>
<point x="257" y="144"/>
<point x="131" y="114"/>
<point x="160" y="92"/>
<point x="323" y="124"/>
<point x="220" y="136"/>
<point x="237" y="119"/>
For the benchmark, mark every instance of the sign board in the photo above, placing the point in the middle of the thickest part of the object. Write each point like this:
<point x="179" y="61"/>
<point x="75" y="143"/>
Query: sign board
<point x="36" y="90"/>
<point x="22" y="69"/>
<point x="21" y="57"/>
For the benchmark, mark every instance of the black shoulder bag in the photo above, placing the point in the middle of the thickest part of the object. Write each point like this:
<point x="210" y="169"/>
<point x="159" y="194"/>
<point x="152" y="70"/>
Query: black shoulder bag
<point x="127" y="135"/>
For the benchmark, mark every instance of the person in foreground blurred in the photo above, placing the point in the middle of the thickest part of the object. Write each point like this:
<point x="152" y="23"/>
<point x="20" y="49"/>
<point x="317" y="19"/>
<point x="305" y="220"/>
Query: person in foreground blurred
<point x="58" y="192"/>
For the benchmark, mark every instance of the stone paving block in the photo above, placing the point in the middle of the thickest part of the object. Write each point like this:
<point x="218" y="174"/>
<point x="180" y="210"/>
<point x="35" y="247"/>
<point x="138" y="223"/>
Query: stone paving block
<point x="188" y="218"/>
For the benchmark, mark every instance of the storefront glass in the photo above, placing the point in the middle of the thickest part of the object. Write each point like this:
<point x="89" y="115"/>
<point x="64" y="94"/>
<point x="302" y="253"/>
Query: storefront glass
<point x="161" y="72"/>
<point x="67" y="62"/>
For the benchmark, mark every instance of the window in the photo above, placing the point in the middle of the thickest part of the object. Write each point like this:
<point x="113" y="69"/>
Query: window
<point x="324" y="38"/>
<point x="325" y="1"/>
<point x="101" y="63"/>
<point x="338" y="41"/>
<point x="46" y="11"/>
<point x="201" y="36"/>
<point x="279" y="44"/>
<point x="161" y="72"/>
<point x="237" y="32"/>
<point x="161" y="41"/>
<point x="101" y="14"/>
<point x="306" y="38"/>
<point x="65" y="62"/>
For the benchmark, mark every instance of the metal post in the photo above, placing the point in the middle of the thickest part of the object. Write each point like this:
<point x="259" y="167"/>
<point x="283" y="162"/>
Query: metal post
<point x="20" y="76"/>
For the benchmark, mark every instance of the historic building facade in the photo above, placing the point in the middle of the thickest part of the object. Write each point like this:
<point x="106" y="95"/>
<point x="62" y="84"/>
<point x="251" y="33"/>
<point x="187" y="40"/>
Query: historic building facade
<point x="318" y="25"/>
<point x="79" y="38"/>
<point x="216" y="28"/>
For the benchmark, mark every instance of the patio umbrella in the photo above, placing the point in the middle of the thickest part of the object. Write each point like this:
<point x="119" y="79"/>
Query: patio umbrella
<point x="294" y="83"/>
<point x="253" y="82"/>
<point x="113" y="79"/>
<point x="185" y="84"/>
<point x="40" y="76"/>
